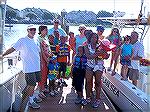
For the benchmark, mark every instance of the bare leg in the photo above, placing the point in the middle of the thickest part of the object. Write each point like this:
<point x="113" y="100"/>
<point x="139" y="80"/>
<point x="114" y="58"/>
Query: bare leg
<point x="98" y="85"/>
<point x="89" y="81"/>
<point x="125" y="71"/>
<point x="112" y="59"/>
<point x="28" y="91"/>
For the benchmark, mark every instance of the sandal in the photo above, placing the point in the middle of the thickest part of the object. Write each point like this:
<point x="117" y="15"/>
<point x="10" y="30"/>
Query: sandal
<point x="113" y="73"/>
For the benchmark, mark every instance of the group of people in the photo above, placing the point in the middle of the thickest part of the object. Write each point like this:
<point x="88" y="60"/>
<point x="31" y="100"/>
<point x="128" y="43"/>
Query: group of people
<point x="50" y="56"/>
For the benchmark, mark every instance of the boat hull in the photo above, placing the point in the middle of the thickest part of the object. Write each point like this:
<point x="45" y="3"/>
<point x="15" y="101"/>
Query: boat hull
<point x="124" y="94"/>
<point x="10" y="92"/>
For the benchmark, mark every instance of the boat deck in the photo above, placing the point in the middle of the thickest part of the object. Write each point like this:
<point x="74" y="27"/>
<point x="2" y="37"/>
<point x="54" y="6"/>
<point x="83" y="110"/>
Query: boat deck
<point x="64" y="102"/>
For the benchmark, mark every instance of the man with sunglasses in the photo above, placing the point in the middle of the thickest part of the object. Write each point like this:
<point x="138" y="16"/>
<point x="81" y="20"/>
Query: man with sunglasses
<point x="29" y="52"/>
<point x="56" y="23"/>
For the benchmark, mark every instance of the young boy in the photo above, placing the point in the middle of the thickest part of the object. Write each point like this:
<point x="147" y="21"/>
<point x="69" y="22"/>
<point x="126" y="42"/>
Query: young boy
<point x="53" y="68"/>
<point x="78" y="73"/>
<point x="126" y="54"/>
<point x="63" y="58"/>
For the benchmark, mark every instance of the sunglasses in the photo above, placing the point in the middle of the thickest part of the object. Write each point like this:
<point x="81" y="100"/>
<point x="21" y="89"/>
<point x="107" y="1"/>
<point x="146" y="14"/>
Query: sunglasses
<point x="115" y="31"/>
<point x="56" y="22"/>
<point x="126" y="39"/>
<point x="81" y="29"/>
<point x="100" y="31"/>
<point x="32" y="29"/>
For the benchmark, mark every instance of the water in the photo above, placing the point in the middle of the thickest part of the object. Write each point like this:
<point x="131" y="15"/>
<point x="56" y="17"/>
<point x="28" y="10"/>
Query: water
<point x="11" y="35"/>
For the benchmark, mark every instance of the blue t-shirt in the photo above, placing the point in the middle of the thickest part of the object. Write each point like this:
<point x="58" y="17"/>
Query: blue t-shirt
<point x="126" y="50"/>
<point x="60" y="30"/>
<point x="79" y="41"/>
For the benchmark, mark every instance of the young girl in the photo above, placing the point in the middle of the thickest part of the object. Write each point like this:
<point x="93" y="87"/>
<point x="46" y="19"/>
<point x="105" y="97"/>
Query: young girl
<point x="126" y="56"/>
<point x="72" y="43"/>
<point x="114" y="38"/>
<point x="78" y="73"/>
<point x="53" y="72"/>
<point x="44" y="59"/>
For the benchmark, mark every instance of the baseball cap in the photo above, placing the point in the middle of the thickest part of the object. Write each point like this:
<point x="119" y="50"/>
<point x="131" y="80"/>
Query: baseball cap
<point x="82" y="26"/>
<point x="100" y="28"/>
<point x="31" y="27"/>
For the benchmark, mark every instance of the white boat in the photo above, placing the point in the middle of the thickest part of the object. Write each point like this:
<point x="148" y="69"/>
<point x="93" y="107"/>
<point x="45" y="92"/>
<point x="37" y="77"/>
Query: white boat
<point x="12" y="80"/>
<point x="124" y="94"/>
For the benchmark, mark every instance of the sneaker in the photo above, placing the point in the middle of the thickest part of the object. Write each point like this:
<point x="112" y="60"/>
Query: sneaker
<point x="34" y="105"/>
<point x="96" y="104"/>
<point x="46" y="90"/>
<point x="108" y="69"/>
<point x="78" y="100"/>
<point x="113" y="73"/>
<point x="86" y="101"/>
<point x="124" y="79"/>
<point x="42" y="95"/>
<point x="37" y="100"/>
<point x="52" y="93"/>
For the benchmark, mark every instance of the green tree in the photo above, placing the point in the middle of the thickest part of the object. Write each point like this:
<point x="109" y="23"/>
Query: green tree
<point x="104" y="14"/>
<point x="10" y="14"/>
<point x="47" y="16"/>
<point x="31" y="16"/>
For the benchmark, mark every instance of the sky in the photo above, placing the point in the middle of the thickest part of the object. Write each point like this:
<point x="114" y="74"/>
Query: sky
<point x="128" y="6"/>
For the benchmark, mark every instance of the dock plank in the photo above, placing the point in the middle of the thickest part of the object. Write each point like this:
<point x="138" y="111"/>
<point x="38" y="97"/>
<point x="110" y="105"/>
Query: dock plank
<point x="64" y="102"/>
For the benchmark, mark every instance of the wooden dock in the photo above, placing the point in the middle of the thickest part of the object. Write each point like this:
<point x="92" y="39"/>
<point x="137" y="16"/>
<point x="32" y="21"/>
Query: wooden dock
<point x="64" y="102"/>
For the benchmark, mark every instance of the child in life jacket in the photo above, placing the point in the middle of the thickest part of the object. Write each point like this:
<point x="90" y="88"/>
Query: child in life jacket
<point x="78" y="73"/>
<point x="53" y="68"/>
<point x="63" y="58"/>
<point x="104" y="47"/>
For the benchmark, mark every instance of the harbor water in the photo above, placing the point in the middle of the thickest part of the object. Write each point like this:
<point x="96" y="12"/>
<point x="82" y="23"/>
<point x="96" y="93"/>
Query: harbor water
<point x="12" y="34"/>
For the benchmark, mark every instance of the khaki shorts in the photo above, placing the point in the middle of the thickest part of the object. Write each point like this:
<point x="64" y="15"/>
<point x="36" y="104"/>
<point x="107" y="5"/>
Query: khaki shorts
<point x="32" y="78"/>
<point x="133" y="74"/>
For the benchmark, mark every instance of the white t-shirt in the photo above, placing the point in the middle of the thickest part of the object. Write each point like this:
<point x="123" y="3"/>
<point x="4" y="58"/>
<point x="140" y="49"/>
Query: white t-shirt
<point x="138" y="50"/>
<point x="29" y="54"/>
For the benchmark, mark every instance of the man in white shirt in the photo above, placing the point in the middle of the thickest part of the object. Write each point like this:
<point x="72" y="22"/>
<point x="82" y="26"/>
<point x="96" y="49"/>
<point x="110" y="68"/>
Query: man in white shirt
<point x="138" y="53"/>
<point x="30" y="55"/>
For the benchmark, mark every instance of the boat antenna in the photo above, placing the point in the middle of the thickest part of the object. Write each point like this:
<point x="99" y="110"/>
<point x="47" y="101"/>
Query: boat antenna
<point x="140" y="14"/>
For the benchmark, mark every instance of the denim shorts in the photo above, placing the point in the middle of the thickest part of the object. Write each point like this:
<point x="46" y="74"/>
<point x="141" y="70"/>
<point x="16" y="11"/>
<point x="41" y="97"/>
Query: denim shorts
<point x="125" y="62"/>
<point x="32" y="78"/>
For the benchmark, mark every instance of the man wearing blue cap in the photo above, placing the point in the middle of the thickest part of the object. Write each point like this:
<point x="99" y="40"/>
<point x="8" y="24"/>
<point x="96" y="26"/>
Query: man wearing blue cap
<point x="100" y="30"/>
